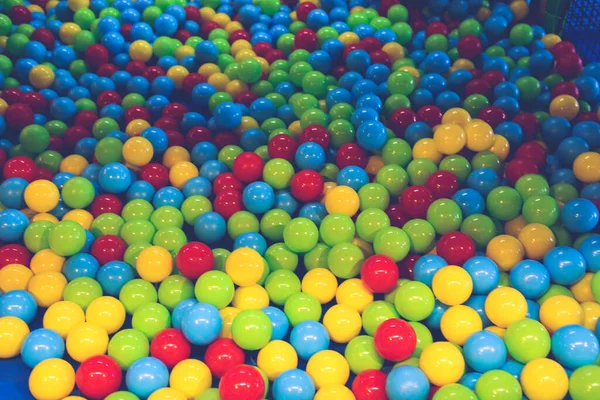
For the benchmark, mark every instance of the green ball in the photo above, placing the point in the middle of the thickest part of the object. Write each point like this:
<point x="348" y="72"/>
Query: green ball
<point x="436" y="42"/>
<point x="376" y="313"/>
<point x="362" y="355"/>
<point x="336" y="228"/>
<point x="563" y="192"/>
<point x="475" y="103"/>
<point x="414" y="301"/>
<point x="122" y="396"/>
<point x="300" y="235"/>
<point x="469" y="27"/>
<point x="272" y="224"/>
<point x="279" y="256"/>
<point x="491" y="383"/>
<point x="445" y="216"/>
<point x="458" y="165"/>
<point x="341" y="111"/>
<point x="150" y="319"/>
<point x="137" y="292"/>
<point x="371" y="221"/>
<point x="195" y="206"/>
<point x="401" y="82"/>
<point x="108" y="150"/>
<point x="82" y="291"/>
<point x="281" y="284"/>
<point x="171" y="238"/>
<point x="529" y="88"/>
<point x="373" y="195"/>
<point x="345" y="260"/>
<point x="527" y="340"/>
<point x="392" y="242"/>
<point x="521" y="34"/>
<point x="137" y="231"/>
<point x="127" y="346"/>
<point x="315" y="83"/>
<point x="421" y="233"/>
<point x="393" y="178"/>
<point x="36" y="235"/>
<point x="34" y="138"/>
<point x="403" y="32"/>
<point x="341" y="132"/>
<point x="107" y="224"/>
<point x="220" y="256"/>
<point x="419" y="170"/>
<point x="397" y="151"/>
<point x="541" y="209"/>
<point x="424" y="337"/>
<point x="104" y="126"/>
<point x="50" y="160"/>
<point x="216" y="288"/>
<point x="455" y="391"/>
<point x="558" y="290"/>
<point x="67" y="238"/>
<point x="480" y="228"/>
<point x="395" y="101"/>
<point x="504" y="203"/>
<point x="137" y="209"/>
<point x="532" y="185"/>
<point x="173" y="290"/>
<point x="78" y="192"/>
<point x="397" y="13"/>
<point x="132" y="253"/>
<point x="278" y="173"/>
<point x="242" y="222"/>
<point x="583" y="383"/>
<point x="228" y="154"/>
<point x="301" y="307"/>
<point x="251" y="329"/>
<point x="317" y="257"/>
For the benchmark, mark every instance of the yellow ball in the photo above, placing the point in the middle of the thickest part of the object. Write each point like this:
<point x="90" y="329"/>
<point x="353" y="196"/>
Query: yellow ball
<point x="414" y="72"/>
<point x="591" y="313"/>
<point x="190" y="377"/>
<point x="46" y="260"/>
<point x="354" y="293"/>
<point x="460" y="322"/>
<point x="62" y="317"/>
<point x="41" y="76"/>
<point x="68" y="31"/>
<point x="427" y="148"/>
<point x="348" y="38"/>
<point x="235" y="87"/>
<point x="374" y="164"/>
<point x="75" y="5"/>
<point x="252" y="297"/>
<point x="175" y="154"/>
<point x="107" y="312"/>
<point x="177" y="73"/>
<point x="449" y="138"/>
<point x="140" y="50"/>
<point x="327" y="368"/>
<point x="183" y="52"/>
<point x="559" y="311"/>
<point x="222" y="19"/>
<point x="394" y="50"/>
<point x="247" y="123"/>
<point x="52" y="379"/>
<point x="233" y="26"/>
<point x="565" y="106"/>
<point x="337" y="392"/>
<point x="136" y="127"/>
<point x="587" y="167"/>
<point x="86" y="340"/>
<point x="342" y="199"/>
<point x="442" y="363"/>
<point x="74" y="164"/>
<point x="456" y="116"/>
<point x="182" y="172"/>
<point x="514" y="226"/>
<point x="13" y="332"/>
<point x="483" y="14"/>
<point x="154" y="264"/>
<point x="463" y="63"/>
<point x="240" y="45"/>
<point x="47" y="287"/>
<point x="537" y="240"/>
<point x="227" y="316"/>
<point x="480" y="135"/>
<point x="520" y="9"/>
<point x="82" y="217"/>
<point x="343" y="323"/>
<point x="506" y="251"/>
<point x="505" y="305"/>
<point x="138" y="151"/>
<point x="14" y="277"/>
<point x="500" y="147"/>
<point x="219" y="81"/>
<point x="244" y="266"/>
<point x="550" y="40"/>
<point x="321" y="283"/>
<point x="544" y="379"/>
<point x="209" y="69"/>
<point x="452" y="285"/>
<point x="582" y="290"/>
<point x="167" y="394"/>
<point x="44" y="217"/>
<point x="3" y="106"/>
<point x="207" y="13"/>
<point x="277" y="357"/>
<point x="497" y="330"/>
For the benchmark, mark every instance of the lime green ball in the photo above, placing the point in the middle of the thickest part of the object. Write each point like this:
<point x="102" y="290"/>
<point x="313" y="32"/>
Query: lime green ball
<point x="371" y="221"/>
<point x="195" y="206"/>
<point x="50" y="160"/>
<point x="127" y="346"/>
<point x="521" y="34"/>
<point x="480" y="228"/>
<point x="242" y="222"/>
<point x="414" y="301"/>
<point x="36" y="235"/>
<point x="336" y="228"/>
<point x="137" y="209"/>
<point x="136" y="231"/>
<point x="504" y="203"/>
<point x="273" y="222"/>
<point x="419" y="170"/>
<point x="392" y="242"/>
<point x="82" y="291"/>
<point x="376" y="313"/>
<point x="301" y="307"/>
<point x="362" y="355"/>
<point x="173" y="290"/>
<point x="529" y="87"/>
<point x="251" y="329"/>
<point x="445" y="216"/>
<point x="107" y="224"/>
<point x="300" y="235"/>
<point x="421" y="233"/>
<point x="34" y="138"/>
<point x="216" y="288"/>
<point x="345" y="260"/>
<point x="279" y="256"/>
<point x="317" y="257"/>
<point x="281" y="284"/>
<point x="150" y="319"/>
<point x="67" y="238"/>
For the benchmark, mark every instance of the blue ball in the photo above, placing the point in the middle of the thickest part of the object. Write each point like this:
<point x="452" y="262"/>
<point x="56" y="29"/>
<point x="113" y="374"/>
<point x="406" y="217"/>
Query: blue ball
<point x="426" y="267"/>
<point x="179" y="311"/>
<point x="310" y="155"/>
<point x="12" y="191"/>
<point x="140" y="190"/>
<point x="115" y="178"/>
<point x="514" y="368"/>
<point x="574" y="346"/>
<point x="197" y="186"/>
<point x="146" y="375"/>
<point x="358" y="60"/>
<point x="484" y="351"/>
<point x="252" y="240"/>
<point x="258" y="197"/>
<point x="554" y="130"/>
<point x="588" y="131"/>
<point x="470" y="379"/>
<point x="113" y="275"/>
<point x="228" y="116"/>
<point x="484" y="273"/>
<point x="470" y="201"/>
<point x="210" y="227"/>
<point x="530" y="278"/>
<point x="308" y="338"/>
<point x="168" y="196"/>
<point x="533" y="310"/>
<point x="40" y="345"/>
<point x="371" y="135"/>
<point x="477" y="303"/>
<point x="285" y="201"/>
<point x="483" y="180"/>
<point x="406" y="382"/>
<point x="313" y="211"/>
<point x="579" y="216"/>
<point x="18" y="303"/>
<point x="12" y="225"/>
<point x="434" y="319"/>
<point x="279" y="322"/>
<point x="158" y="138"/>
<point x="81" y="265"/>
<point x="565" y="265"/>
<point x="201" y="324"/>
<point x="293" y="384"/>
<point x="590" y="250"/>
<point x="352" y="176"/>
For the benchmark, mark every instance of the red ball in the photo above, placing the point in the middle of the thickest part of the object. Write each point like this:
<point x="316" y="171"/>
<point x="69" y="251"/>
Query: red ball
<point x="18" y="115"/>
<point x="191" y="80"/>
<point x="304" y="9"/>
<point x="569" y="65"/>
<point x="228" y="203"/>
<point x="193" y="14"/>
<point x="401" y="119"/>
<point x="43" y="173"/>
<point x="316" y="134"/>
<point x="96" y="55"/>
<point x="456" y="248"/>
<point x="194" y="259"/>
<point x="469" y="47"/>
<point x="397" y="217"/>
<point x="379" y="273"/>
<point x="282" y="146"/>
<point x="415" y="201"/>
<point x="442" y="184"/>
<point x="431" y="115"/>
<point x="395" y="340"/>
<point x="108" y="248"/>
<point x="196" y="135"/>
<point x="246" y="98"/>
<point x="86" y="118"/>
<point x="370" y="43"/>
<point x="561" y="48"/>
<point x="167" y="124"/>
<point x="108" y="97"/>
<point x="242" y="382"/>
<point x="98" y="376"/>
<point x="20" y="167"/>
<point x="107" y="70"/>
<point x="137" y="112"/>
<point x="12" y="95"/>
<point x="248" y="167"/>
<point x="240" y="34"/>
<point x="518" y="167"/>
<point x="492" y="115"/>
<point x="587" y="116"/>
<point x="306" y="39"/>
<point x="74" y="134"/>
<point x="532" y="151"/>
<point x="175" y="111"/>
<point x="174" y="138"/>
<point x="478" y="86"/>
<point x="36" y="102"/>
<point x="226" y="182"/>
<point x="380" y="57"/>
<point x="155" y="174"/>
<point x="262" y="48"/>
<point x="19" y="15"/>
<point x="307" y="185"/>
<point x="14" y="254"/>
<point x="529" y="123"/>
<point x="45" y="37"/>
<point x="222" y="355"/>
<point x="106" y="203"/>
<point x="225" y="138"/>
<point x="275" y="55"/>
<point x="565" y="88"/>
<point x="370" y="385"/>
<point x="407" y="266"/>
<point x="351" y="154"/>
<point x="170" y="346"/>
<point x="207" y="27"/>
<point x="136" y="68"/>
<point x="493" y="77"/>
<point x="436" y="27"/>
<point x="153" y="72"/>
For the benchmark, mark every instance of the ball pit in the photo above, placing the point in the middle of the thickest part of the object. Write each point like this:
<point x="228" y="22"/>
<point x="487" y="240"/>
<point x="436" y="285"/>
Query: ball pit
<point x="280" y="199"/>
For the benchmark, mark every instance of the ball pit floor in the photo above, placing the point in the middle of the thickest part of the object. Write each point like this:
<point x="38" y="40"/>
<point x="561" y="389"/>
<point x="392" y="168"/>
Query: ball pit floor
<point x="296" y="200"/>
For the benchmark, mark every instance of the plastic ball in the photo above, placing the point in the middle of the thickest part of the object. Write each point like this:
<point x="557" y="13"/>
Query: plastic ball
<point x="52" y="379"/>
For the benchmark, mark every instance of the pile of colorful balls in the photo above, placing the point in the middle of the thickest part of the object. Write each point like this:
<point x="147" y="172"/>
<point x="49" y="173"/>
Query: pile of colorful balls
<point x="273" y="199"/>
